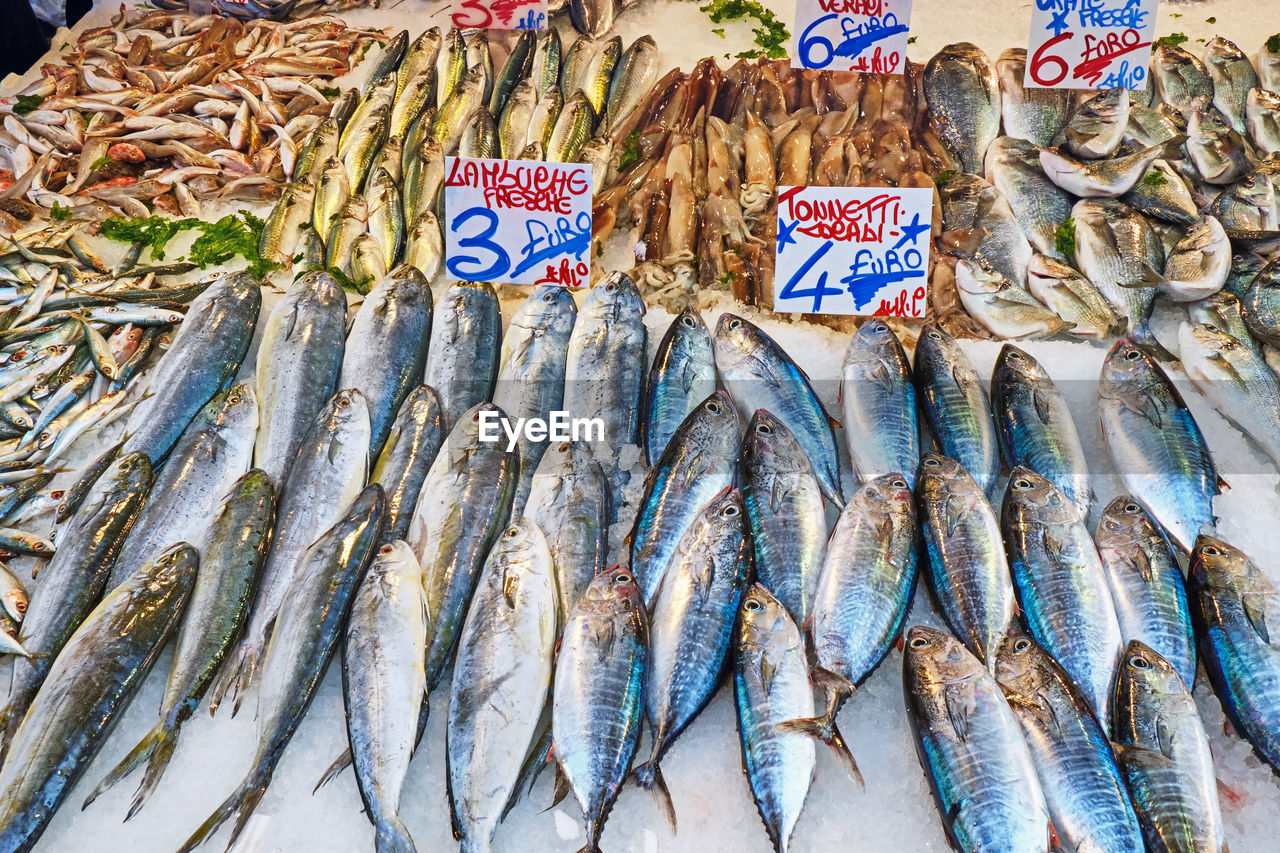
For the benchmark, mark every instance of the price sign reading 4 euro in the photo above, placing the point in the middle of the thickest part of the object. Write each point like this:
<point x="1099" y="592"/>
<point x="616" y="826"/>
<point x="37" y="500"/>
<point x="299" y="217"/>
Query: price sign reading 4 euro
<point x="518" y="221"/>
<point x="1090" y="44"/>
<point x="500" y="14"/>
<point x="852" y="250"/>
<point x="852" y="35"/>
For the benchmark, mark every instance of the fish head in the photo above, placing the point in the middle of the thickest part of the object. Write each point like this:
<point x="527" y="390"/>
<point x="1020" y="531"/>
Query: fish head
<point x="933" y="656"/>
<point x="236" y="408"/>
<point x="614" y="592"/>
<point x="736" y="340"/>
<point x="1015" y="365"/>
<point x="887" y="488"/>
<point x="617" y="296"/>
<point x="715" y="414"/>
<point x="1220" y="51"/>
<point x="1125" y="523"/>
<point x="763" y="620"/>
<point x="1022" y="667"/>
<point x="347" y="410"/>
<point x="1147" y="685"/>
<point x="1220" y="566"/>
<point x="1035" y="496"/>
<point x="769" y="444"/>
<point x="940" y="477"/>
<point x="978" y="279"/>
<point x="173" y="562"/>
<point x="1126" y="363"/>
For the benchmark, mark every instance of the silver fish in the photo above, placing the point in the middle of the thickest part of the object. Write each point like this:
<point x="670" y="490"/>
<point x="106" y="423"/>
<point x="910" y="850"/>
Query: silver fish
<point x="963" y="94"/>
<point x="1182" y="81"/>
<point x="1096" y="127"/>
<point x="1233" y="77"/>
<point x="1033" y="114"/>
<point x="878" y="402"/>
<point x="1038" y="205"/>
<point x="466" y="340"/>
<point x="1215" y="148"/>
<point x="1199" y="264"/>
<point x="1236" y="380"/>
<point x="1072" y="297"/>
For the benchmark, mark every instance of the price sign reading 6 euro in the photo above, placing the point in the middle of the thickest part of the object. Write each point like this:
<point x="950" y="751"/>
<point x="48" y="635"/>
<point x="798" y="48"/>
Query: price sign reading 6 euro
<point x="1090" y="44"/>
<point x="852" y="250"/>
<point x="518" y="221"/>
<point x="852" y="35"/>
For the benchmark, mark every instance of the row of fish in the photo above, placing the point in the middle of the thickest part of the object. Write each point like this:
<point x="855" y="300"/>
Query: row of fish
<point x="367" y="187"/>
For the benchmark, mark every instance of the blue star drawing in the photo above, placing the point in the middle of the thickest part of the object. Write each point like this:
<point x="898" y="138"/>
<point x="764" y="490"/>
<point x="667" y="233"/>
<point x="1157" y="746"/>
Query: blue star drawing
<point x="784" y="233"/>
<point x="910" y="232"/>
<point x="1059" y="23"/>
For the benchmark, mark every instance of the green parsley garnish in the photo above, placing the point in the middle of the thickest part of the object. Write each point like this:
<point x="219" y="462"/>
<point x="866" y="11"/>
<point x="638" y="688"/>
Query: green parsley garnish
<point x="911" y="39"/>
<point x="718" y="31"/>
<point x="153" y="232"/>
<point x="630" y="151"/>
<point x="100" y="162"/>
<point x="1064" y="239"/>
<point x="1171" y="40"/>
<point x="329" y="91"/>
<point x="59" y="213"/>
<point x="27" y="103"/>
<point x="944" y="177"/>
<point x="236" y="235"/>
<point x="1154" y="178"/>
<point x="1273" y="43"/>
<point x="770" y="37"/>
<point x="348" y="283"/>
<point x="1211" y="20"/>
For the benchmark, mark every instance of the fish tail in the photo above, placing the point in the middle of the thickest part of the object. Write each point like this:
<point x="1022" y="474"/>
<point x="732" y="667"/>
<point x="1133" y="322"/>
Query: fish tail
<point x="241" y="804"/>
<point x="392" y="836"/>
<point x="342" y="762"/>
<point x="824" y="729"/>
<point x="237" y="676"/>
<point x="649" y="777"/>
<point x="155" y="748"/>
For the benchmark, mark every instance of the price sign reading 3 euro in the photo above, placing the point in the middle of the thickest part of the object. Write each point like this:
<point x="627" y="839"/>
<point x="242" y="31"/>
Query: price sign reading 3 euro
<point x="852" y="250"/>
<point x="500" y="14"/>
<point x="1090" y="44"/>
<point x="518" y="221"/>
<point x="852" y="35"/>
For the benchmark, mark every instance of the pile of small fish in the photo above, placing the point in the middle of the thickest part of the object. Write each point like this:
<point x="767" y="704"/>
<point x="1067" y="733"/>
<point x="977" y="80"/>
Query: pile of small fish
<point x="166" y="109"/>
<point x="346" y="497"/>
<point x="367" y="185"/>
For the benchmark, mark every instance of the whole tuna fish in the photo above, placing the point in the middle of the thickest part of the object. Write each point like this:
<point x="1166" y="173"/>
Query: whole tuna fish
<point x="232" y="552"/>
<point x="462" y="508"/>
<point x="329" y="472"/>
<point x="597" y="708"/>
<point x="788" y="520"/>
<point x="604" y="377"/>
<point x="299" y="360"/>
<point x="1035" y="425"/>
<point x="466" y="341"/>
<point x="776" y="725"/>
<point x="1236" y="380"/>
<point x="212" y="454"/>
<point x="205" y="354"/>
<point x="410" y="448"/>
<point x="385" y="685"/>
<point x="1083" y="786"/>
<point x="1156" y="445"/>
<point x="963" y="94"/>
<point x="386" y="349"/>
<point x="879" y="404"/>
<point x="955" y="406"/>
<point x="570" y="497"/>
<point x="88" y="687"/>
<point x="1030" y="113"/>
<point x="1063" y="590"/>
<point x="760" y="375"/>
<point x="313" y="614"/>
<point x="1164" y="753"/>
<point x="1235" y="605"/>
<point x="698" y="464"/>
<point x="971" y="748"/>
<point x="501" y="681"/>
<point x="531" y="380"/>
<point x="691" y="628"/>
<point x="1146" y="584"/>
<point x="868" y="581"/>
<point x="967" y="569"/>
<point x="682" y="376"/>
<point x="72" y="581"/>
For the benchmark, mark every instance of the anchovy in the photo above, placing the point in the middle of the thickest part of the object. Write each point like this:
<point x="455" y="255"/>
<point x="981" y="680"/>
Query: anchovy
<point x="788" y="520"/>
<point x="1063" y="590"/>
<point x="697" y="464"/>
<point x="1156" y="445"/>
<point x="88" y="687"/>
<point x="682" y="376"/>
<point x="313" y="615"/>
<point x="411" y="447"/>
<point x="971" y="748"/>
<point x="597" y="708"/>
<point x="1083" y="787"/>
<point x="1146" y="584"/>
<point x="968" y="572"/>
<point x="879" y="404"/>
<point x="466" y="341"/>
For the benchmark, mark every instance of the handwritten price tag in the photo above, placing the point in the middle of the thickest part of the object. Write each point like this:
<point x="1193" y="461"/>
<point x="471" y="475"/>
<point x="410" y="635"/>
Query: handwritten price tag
<point x="518" y="221"/>
<point x="500" y="14"/>
<point x="852" y="250"/>
<point x="1090" y="44"/>
<point x="852" y="35"/>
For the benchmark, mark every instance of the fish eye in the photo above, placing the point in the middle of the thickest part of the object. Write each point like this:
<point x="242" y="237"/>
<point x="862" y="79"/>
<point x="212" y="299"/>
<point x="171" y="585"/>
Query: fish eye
<point x="1211" y="551"/>
<point x="475" y="418"/>
<point x="621" y="578"/>
<point x="735" y="323"/>
<point x="1021" y="644"/>
<point x="919" y="643"/>
<point x="610" y="287"/>
<point x="1132" y="355"/>
<point x="714" y="408"/>
<point x="933" y="335"/>
<point x="1022" y="483"/>
<point x="1139" y="662"/>
<point x="932" y="463"/>
<point x="384" y="550"/>
<point x="548" y="297"/>
<point x="880" y="327"/>
<point x="1014" y="355"/>
<point x="1131" y="508"/>
<point x="729" y="512"/>
<point x="764" y="429"/>
<point x="343" y="402"/>
<point x="688" y="322"/>
<point x="57" y="495"/>
<point x="513" y="531"/>
<point x="899" y="483"/>
<point x="752" y="606"/>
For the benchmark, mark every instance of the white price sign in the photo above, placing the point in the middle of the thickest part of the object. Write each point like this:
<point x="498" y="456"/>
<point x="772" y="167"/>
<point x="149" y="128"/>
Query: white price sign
<point x="852" y="35"/>
<point x="1090" y="44"/>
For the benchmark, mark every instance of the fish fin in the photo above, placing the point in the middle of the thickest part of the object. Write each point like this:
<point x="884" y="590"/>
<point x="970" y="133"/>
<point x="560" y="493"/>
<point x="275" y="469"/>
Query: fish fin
<point x="237" y="677"/>
<point x="1043" y="403"/>
<point x="649" y="777"/>
<point x="241" y="804"/>
<point x="1143" y="756"/>
<point x="537" y="760"/>
<point x="1257" y="617"/>
<point x="1223" y="486"/>
<point x="156" y="748"/>
<point x="393" y="836"/>
<point x="832" y="422"/>
<point x="825" y="730"/>
<point x="837" y="688"/>
<point x="767" y="672"/>
<point x="1055" y="843"/>
<point x="342" y="762"/>
<point x="957" y="713"/>
<point x="562" y="788"/>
